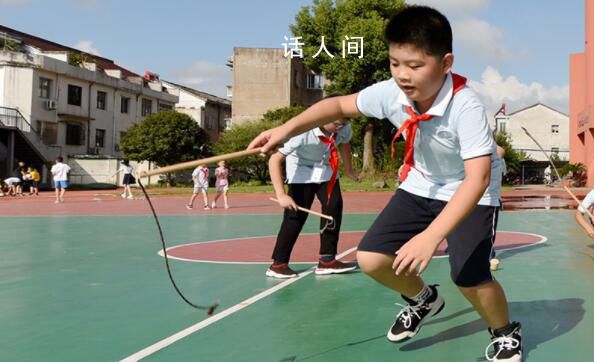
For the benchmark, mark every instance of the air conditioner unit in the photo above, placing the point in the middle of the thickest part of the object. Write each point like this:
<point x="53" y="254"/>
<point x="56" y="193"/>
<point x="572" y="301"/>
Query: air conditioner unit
<point x="51" y="104"/>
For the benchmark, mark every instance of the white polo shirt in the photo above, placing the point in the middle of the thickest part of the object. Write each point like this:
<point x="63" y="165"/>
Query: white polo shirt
<point x="307" y="156"/>
<point x="587" y="202"/>
<point x="60" y="171"/>
<point x="458" y="131"/>
<point x="201" y="176"/>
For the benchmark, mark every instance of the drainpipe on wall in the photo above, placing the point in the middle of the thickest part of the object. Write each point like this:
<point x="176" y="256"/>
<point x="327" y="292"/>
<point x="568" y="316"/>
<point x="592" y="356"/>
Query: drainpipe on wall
<point x="113" y="127"/>
<point x="89" y="120"/>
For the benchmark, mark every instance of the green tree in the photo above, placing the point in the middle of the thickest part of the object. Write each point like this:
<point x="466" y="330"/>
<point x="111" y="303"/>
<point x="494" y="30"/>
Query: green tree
<point x="165" y="138"/>
<point x="239" y="136"/>
<point x="512" y="157"/>
<point x="334" y="20"/>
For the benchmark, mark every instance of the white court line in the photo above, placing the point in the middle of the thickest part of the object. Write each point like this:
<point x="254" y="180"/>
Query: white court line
<point x="217" y="317"/>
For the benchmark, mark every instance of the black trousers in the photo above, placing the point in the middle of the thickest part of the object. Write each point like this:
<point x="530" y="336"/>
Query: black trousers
<point x="293" y="221"/>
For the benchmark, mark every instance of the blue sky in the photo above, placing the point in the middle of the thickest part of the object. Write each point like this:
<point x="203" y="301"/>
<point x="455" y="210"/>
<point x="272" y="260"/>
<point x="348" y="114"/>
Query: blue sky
<point x="512" y="51"/>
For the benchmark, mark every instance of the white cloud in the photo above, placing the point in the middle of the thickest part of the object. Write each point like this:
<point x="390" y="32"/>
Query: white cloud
<point x="205" y="77"/>
<point x="13" y="2"/>
<point x="87" y="47"/>
<point x="494" y="90"/>
<point x="481" y="38"/>
<point x="470" y="32"/>
<point x="454" y="7"/>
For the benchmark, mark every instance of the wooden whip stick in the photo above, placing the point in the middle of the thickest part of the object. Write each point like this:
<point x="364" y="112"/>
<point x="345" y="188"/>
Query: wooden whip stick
<point x="556" y="172"/>
<point x="203" y="161"/>
<point x="578" y="202"/>
<point x="329" y="218"/>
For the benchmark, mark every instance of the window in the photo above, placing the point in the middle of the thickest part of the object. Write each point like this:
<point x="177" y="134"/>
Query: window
<point x="99" y="137"/>
<point x="101" y="100"/>
<point x="165" y="107"/>
<point x="74" y="134"/>
<point x="555" y="129"/>
<point x="45" y="86"/>
<point x="48" y="131"/>
<point x="147" y="107"/>
<point x="74" y="95"/>
<point x="125" y="104"/>
<point x="296" y="79"/>
<point x="315" y="81"/>
<point x="209" y="123"/>
<point x="502" y="126"/>
<point x="555" y="150"/>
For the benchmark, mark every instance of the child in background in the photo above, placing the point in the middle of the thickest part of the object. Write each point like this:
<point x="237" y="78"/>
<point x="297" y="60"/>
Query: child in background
<point x="128" y="180"/>
<point x="582" y="217"/>
<point x="60" y="171"/>
<point x="34" y="183"/>
<point x="200" y="178"/>
<point x="222" y="184"/>
<point x="311" y="164"/>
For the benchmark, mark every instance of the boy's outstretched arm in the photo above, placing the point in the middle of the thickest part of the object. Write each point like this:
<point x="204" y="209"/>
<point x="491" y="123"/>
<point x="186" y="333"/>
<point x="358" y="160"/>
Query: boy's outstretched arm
<point x="416" y="254"/>
<point x="275" y="166"/>
<point x="325" y="111"/>
<point x="583" y="221"/>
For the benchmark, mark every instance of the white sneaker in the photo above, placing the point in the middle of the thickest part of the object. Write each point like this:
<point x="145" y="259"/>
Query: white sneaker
<point x="123" y="195"/>
<point x="130" y="197"/>
<point x="226" y="206"/>
<point x="214" y="205"/>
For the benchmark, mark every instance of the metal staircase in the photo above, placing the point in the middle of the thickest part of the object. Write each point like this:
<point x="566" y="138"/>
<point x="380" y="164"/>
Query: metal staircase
<point x="25" y="142"/>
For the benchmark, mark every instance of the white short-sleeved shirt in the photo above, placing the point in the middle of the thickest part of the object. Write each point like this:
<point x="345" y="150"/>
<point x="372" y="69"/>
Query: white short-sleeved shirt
<point x="60" y="171"/>
<point x="12" y="180"/>
<point x="126" y="169"/>
<point x="587" y="202"/>
<point x="307" y="156"/>
<point x="458" y="131"/>
<point x="201" y="175"/>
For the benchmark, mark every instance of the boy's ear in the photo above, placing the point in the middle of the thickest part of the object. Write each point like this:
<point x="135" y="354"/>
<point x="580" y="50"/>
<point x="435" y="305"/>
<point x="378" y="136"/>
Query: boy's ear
<point x="447" y="62"/>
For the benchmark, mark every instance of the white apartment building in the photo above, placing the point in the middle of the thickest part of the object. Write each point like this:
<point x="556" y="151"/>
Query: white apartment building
<point x="212" y="113"/>
<point x="548" y="126"/>
<point x="58" y="101"/>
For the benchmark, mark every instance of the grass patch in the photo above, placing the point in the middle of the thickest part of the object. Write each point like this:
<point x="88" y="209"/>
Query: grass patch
<point x="346" y="185"/>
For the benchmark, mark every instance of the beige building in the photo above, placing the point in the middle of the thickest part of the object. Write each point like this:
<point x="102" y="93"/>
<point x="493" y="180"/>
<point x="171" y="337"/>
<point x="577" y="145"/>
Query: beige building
<point x="264" y="79"/>
<point x="548" y="126"/>
<point x="212" y="113"/>
<point x="58" y="101"/>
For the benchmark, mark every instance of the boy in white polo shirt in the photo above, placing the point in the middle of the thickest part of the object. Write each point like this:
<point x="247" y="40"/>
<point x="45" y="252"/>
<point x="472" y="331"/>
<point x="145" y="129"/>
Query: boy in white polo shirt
<point x="582" y="217"/>
<point x="200" y="178"/>
<point x="450" y="183"/>
<point x="60" y="172"/>
<point x="311" y="163"/>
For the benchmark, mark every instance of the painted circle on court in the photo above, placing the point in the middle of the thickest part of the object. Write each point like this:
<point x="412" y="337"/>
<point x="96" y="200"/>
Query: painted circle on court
<point x="257" y="250"/>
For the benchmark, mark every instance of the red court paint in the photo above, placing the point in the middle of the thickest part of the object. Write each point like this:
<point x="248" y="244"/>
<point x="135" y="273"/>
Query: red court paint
<point x="257" y="250"/>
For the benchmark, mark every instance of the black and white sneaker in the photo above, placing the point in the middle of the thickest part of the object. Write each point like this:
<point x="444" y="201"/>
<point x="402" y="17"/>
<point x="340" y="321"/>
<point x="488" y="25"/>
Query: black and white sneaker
<point x="281" y="271"/>
<point x="413" y="315"/>
<point x="505" y="347"/>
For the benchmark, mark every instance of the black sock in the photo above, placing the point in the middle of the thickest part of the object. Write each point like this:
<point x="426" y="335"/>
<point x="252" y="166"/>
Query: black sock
<point x="508" y="329"/>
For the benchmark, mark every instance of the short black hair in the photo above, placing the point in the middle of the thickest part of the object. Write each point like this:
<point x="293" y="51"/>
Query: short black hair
<point x="423" y="27"/>
<point x="59" y="159"/>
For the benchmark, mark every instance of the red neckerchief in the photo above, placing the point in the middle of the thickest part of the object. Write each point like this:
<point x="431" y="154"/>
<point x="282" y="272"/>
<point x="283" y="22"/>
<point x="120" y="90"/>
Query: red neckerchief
<point x="412" y="124"/>
<point x="332" y="160"/>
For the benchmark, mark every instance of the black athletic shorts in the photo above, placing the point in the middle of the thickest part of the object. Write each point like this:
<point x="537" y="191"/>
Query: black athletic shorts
<point x="406" y="215"/>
